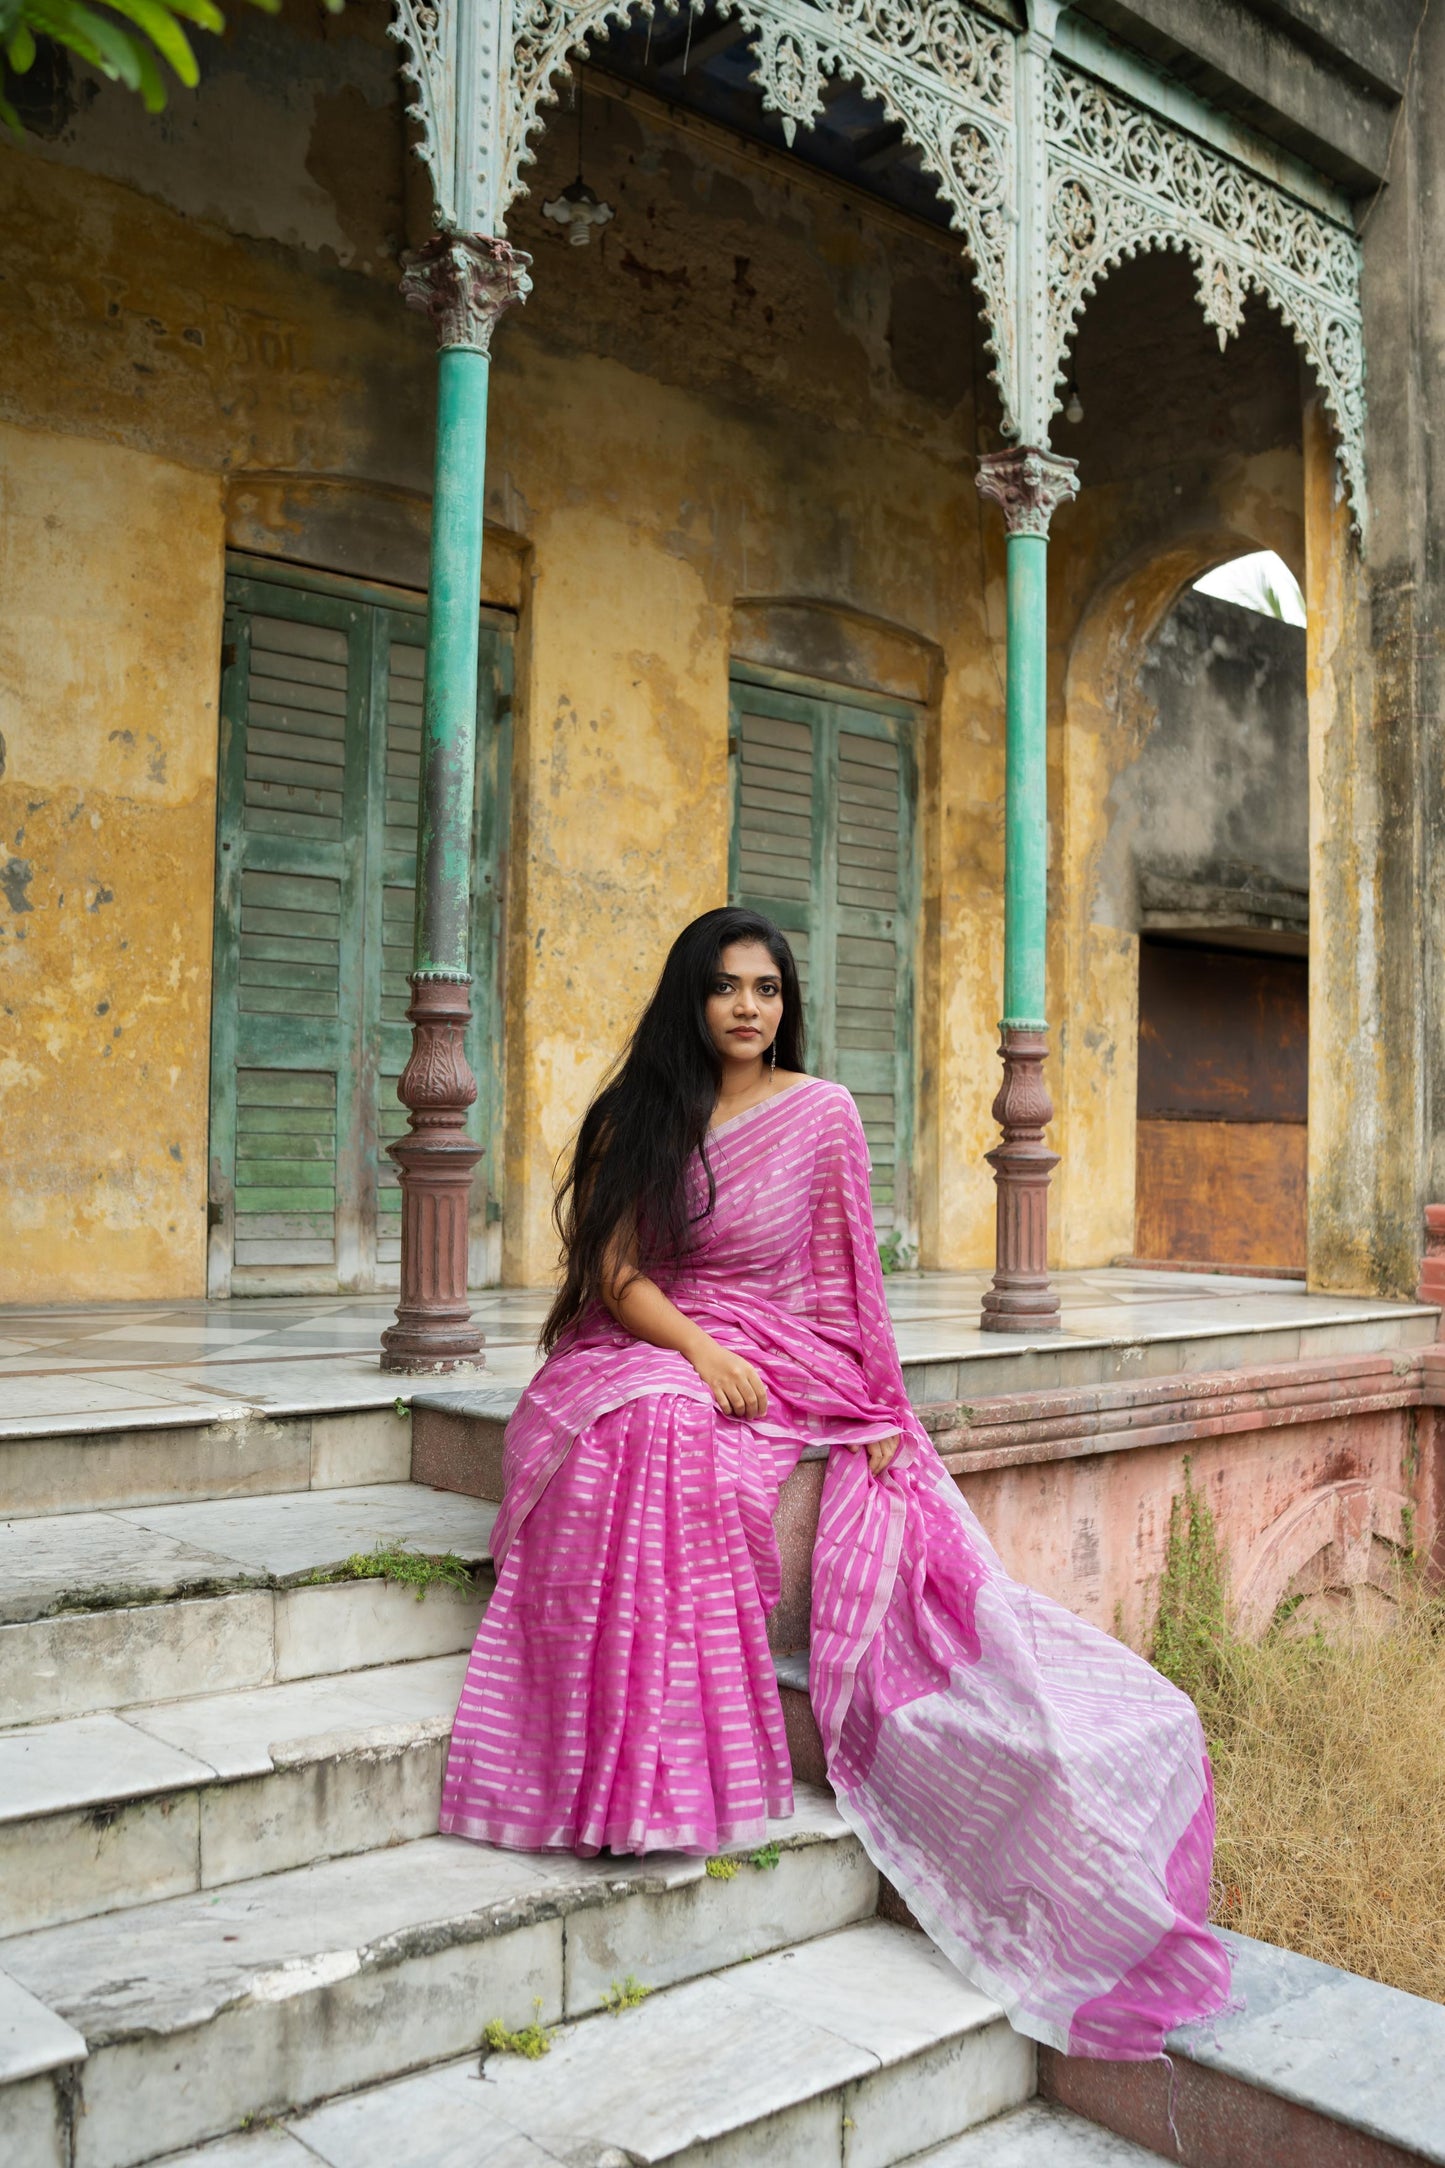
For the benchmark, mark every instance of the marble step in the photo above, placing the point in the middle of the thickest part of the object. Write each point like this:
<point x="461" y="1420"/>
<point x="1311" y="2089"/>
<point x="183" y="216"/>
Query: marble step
<point x="102" y="1812"/>
<point x="1038" y="2135"/>
<point x="1313" y="2068"/>
<point x="197" y="1444"/>
<point x="862" y="2046"/>
<point x="199" y="2013"/>
<point x="102" y="1610"/>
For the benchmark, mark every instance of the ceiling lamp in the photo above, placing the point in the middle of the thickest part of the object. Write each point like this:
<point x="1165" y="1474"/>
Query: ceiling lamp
<point x="579" y="208"/>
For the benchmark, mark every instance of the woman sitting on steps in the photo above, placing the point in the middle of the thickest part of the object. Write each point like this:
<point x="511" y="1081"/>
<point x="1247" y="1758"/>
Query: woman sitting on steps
<point x="1035" y="1791"/>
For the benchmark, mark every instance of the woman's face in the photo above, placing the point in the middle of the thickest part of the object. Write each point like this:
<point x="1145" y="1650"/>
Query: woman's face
<point x="745" y="1004"/>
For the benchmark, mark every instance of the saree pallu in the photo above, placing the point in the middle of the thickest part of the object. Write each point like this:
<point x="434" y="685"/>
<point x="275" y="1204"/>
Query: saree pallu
<point x="1036" y="1792"/>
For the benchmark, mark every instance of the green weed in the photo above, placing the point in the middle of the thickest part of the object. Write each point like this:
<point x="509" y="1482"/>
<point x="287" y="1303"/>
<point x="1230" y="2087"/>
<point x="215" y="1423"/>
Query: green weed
<point x="392" y="1561"/>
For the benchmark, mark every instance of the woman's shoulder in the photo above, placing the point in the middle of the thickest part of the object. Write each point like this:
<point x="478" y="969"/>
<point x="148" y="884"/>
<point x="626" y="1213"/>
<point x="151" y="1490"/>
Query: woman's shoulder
<point x="822" y="1093"/>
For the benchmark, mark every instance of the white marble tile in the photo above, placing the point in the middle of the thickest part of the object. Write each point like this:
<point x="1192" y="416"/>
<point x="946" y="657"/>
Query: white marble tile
<point x="74" y="1556"/>
<point x="239" y="1735"/>
<point x="1369" y="2056"/>
<point x="443" y="2118"/>
<point x="298" y="1531"/>
<point x="80" y="1761"/>
<point x="357" y="1625"/>
<point x="82" y="1661"/>
<point x="32" y="2038"/>
<point x="1039" y="2136"/>
<point x="182" y="1962"/>
<point x="683" y="2069"/>
<point x="883" y="1988"/>
<point x="61" y="1867"/>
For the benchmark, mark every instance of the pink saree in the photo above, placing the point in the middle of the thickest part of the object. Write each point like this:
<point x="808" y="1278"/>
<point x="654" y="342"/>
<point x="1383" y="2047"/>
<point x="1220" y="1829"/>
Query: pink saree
<point x="1036" y="1792"/>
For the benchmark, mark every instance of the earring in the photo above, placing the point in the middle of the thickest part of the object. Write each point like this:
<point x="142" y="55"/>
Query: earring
<point x="772" y="1056"/>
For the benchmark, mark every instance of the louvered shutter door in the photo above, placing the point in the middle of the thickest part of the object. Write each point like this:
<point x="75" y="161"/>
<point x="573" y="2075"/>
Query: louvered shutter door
<point x="822" y="842"/>
<point x="293" y="778"/>
<point x="868" y="923"/>
<point x="316" y="875"/>
<point x="774" y="837"/>
<point x="404" y="670"/>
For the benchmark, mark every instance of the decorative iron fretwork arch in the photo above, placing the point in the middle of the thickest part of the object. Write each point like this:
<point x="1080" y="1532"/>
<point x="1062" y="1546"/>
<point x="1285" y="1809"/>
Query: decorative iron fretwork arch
<point x="1122" y="180"/>
<point x="1117" y="178"/>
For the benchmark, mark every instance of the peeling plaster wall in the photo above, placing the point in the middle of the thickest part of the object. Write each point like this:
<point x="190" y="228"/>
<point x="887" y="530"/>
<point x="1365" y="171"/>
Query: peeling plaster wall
<point x="1221" y="782"/>
<point x="755" y="384"/>
<point x="110" y="569"/>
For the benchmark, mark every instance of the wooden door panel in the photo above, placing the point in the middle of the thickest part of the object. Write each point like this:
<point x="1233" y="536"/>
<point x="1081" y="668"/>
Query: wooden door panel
<point x="1221" y="1193"/>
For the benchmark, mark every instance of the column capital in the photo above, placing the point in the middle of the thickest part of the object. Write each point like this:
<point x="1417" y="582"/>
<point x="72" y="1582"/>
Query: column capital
<point x="464" y="282"/>
<point x="1028" y="484"/>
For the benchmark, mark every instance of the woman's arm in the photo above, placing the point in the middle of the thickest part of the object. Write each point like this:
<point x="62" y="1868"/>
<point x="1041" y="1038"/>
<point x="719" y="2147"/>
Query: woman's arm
<point x="641" y="1308"/>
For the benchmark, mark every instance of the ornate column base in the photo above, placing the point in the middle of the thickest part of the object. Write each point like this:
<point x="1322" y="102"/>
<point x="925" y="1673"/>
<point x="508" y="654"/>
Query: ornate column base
<point x="1432" y="1264"/>
<point x="1021" y="1298"/>
<point x="434" y="1329"/>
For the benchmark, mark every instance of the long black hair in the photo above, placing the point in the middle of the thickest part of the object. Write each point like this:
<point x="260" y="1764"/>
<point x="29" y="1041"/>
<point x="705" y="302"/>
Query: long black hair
<point x="626" y="1176"/>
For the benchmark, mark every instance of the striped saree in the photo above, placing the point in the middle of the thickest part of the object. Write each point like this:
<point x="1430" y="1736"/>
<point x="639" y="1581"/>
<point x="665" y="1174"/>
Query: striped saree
<point x="1036" y="1792"/>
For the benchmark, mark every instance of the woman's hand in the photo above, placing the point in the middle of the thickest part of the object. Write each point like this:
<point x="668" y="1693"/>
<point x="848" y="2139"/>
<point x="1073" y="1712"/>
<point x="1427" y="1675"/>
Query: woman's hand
<point x="733" y="1383"/>
<point x="881" y="1452"/>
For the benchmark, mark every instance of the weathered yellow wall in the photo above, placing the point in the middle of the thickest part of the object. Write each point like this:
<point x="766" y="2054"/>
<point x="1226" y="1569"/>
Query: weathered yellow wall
<point x="754" y="385"/>
<point x="110" y="573"/>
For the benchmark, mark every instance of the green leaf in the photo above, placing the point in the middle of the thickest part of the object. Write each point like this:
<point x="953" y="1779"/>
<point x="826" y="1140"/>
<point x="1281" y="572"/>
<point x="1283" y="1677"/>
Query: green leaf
<point x="157" y="19"/>
<point x="203" y="13"/>
<point x="10" y="119"/>
<point x="71" y="24"/>
<point x="20" y="50"/>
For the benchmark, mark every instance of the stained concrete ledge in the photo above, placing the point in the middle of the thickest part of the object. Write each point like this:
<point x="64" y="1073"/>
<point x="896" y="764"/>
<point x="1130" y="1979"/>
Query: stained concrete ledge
<point x="1319" y="2069"/>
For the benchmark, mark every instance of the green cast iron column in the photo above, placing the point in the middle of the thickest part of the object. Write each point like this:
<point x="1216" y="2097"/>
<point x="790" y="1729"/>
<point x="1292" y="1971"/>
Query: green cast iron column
<point x="449" y="710"/>
<point x="463" y="283"/>
<point x="1029" y="485"/>
<point x="1026" y="815"/>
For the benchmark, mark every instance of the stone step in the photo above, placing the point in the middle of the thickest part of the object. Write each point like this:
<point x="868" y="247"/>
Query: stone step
<point x="102" y="1812"/>
<point x="201" y="2012"/>
<point x="1037" y="2135"/>
<point x="102" y="1610"/>
<point x="115" y="1458"/>
<point x="864" y="2045"/>
<point x="1316" y="2068"/>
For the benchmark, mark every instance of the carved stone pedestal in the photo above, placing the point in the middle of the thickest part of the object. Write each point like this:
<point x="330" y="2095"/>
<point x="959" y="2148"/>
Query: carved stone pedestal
<point x="1432" y="1264"/>
<point x="1021" y="1299"/>
<point x="434" y="1329"/>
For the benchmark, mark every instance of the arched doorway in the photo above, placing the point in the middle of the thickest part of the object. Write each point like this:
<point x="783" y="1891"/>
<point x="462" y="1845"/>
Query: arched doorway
<point x="1216" y="807"/>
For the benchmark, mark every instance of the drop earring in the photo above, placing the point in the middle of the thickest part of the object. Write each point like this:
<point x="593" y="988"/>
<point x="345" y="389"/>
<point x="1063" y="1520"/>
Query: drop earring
<point x="772" y="1058"/>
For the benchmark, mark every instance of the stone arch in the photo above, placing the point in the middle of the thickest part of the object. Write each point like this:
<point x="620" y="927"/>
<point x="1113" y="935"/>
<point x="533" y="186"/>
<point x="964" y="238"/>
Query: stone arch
<point x="1093" y="961"/>
<point x="1337" y="1541"/>
<point x="1123" y="181"/>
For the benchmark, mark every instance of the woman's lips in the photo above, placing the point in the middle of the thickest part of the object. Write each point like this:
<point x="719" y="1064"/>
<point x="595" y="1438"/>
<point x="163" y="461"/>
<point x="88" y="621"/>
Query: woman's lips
<point x="744" y="1031"/>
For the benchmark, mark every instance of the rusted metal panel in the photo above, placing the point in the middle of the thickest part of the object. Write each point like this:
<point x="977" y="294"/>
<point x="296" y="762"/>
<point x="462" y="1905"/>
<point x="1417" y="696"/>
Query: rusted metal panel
<point x="1223" y="1036"/>
<point x="1221" y="1192"/>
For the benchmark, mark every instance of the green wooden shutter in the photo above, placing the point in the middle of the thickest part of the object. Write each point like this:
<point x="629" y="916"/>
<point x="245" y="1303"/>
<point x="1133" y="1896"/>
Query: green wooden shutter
<point x="316" y="858"/>
<point x="774" y="828"/>
<point x="872" y="955"/>
<point x="285" y="1050"/>
<point x="824" y="795"/>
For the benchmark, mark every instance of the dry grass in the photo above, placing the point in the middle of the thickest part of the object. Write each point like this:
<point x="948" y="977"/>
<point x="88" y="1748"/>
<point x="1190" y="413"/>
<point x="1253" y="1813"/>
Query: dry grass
<point x="1329" y="1770"/>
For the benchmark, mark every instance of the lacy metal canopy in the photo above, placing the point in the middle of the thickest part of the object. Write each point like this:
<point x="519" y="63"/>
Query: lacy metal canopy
<point x="1057" y="159"/>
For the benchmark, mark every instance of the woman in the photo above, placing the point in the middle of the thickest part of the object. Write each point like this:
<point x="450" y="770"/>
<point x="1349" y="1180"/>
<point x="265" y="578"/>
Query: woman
<point x="1038" y="1794"/>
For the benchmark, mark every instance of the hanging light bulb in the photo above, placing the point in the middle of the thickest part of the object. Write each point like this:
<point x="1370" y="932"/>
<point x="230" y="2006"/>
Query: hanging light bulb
<point x="579" y="208"/>
<point x="1074" y="410"/>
